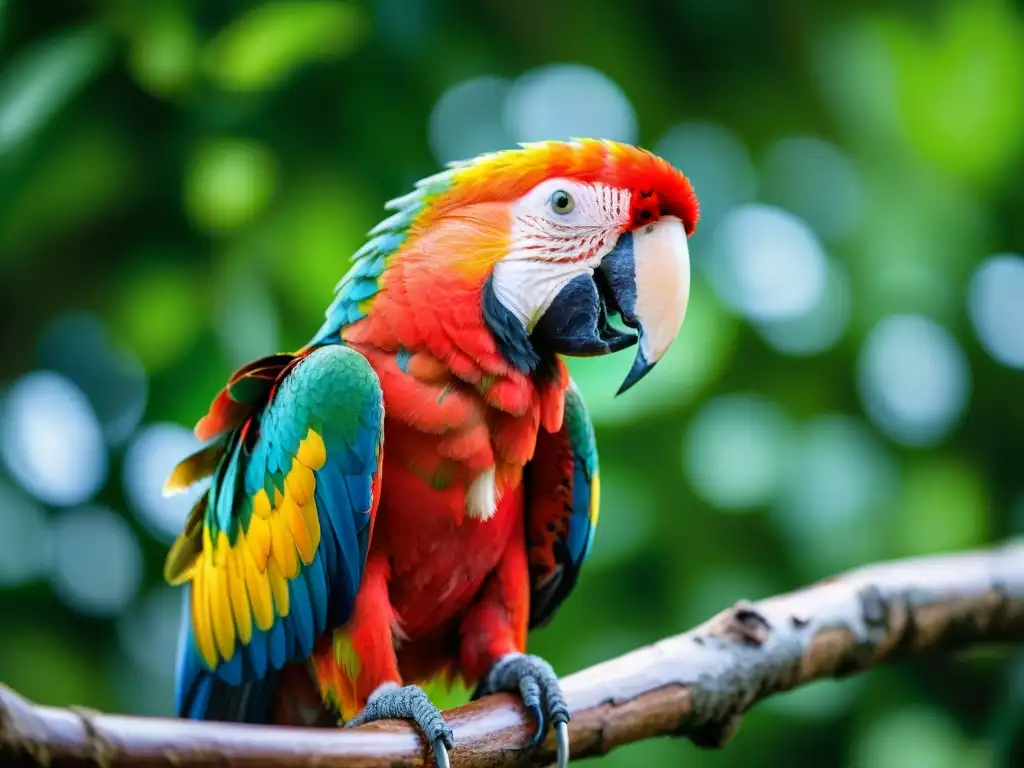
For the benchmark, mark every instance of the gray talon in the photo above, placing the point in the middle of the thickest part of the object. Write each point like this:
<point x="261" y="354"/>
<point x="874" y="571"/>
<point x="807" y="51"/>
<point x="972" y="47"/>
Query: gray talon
<point x="409" y="703"/>
<point x="562" y="736"/>
<point x="541" y="693"/>
<point x="441" y="753"/>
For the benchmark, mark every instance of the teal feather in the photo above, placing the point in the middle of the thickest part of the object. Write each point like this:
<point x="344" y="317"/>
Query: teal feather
<point x="549" y="588"/>
<point x="334" y="390"/>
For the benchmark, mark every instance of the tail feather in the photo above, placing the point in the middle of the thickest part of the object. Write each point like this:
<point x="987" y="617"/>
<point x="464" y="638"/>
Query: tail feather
<point x="203" y="695"/>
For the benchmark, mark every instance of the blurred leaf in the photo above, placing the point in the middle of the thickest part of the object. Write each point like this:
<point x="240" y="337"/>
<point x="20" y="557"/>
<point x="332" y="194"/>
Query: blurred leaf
<point x="229" y="183"/>
<point x="157" y="310"/>
<point x="81" y="177"/>
<point x="962" y="90"/>
<point x="447" y="697"/>
<point x="309" y="243"/>
<point x="916" y="738"/>
<point x="943" y="507"/>
<point x="260" y="48"/>
<point x="164" y="46"/>
<point x="857" y="79"/>
<point x="49" y="668"/>
<point x="40" y="81"/>
<point x="926" y="236"/>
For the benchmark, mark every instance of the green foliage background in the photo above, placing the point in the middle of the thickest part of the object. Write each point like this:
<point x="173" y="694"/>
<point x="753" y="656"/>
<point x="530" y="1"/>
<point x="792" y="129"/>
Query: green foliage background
<point x="195" y="176"/>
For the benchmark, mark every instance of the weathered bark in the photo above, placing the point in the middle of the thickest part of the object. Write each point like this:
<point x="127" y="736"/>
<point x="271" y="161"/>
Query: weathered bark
<point x="698" y="684"/>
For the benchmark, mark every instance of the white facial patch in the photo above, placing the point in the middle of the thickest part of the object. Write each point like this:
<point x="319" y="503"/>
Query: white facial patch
<point x="548" y="248"/>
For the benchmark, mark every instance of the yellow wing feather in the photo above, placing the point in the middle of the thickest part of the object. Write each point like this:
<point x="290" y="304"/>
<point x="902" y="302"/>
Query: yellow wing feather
<point x="237" y="586"/>
<point x="201" y="618"/>
<point x="312" y="452"/>
<point x="312" y="518"/>
<point x="258" y="541"/>
<point x="240" y="608"/>
<point x="220" y="599"/>
<point x="257" y="584"/>
<point x="261" y="504"/>
<point x="282" y="546"/>
<point x="279" y="588"/>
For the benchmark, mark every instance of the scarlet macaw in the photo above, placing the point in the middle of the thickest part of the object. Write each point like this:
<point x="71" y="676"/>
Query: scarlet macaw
<point x="410" y="493"/>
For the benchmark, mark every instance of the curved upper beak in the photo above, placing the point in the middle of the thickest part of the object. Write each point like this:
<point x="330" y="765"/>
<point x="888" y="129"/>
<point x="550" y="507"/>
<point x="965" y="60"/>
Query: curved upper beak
<point x="645" y="279"/>
<point x="648" y="275"/>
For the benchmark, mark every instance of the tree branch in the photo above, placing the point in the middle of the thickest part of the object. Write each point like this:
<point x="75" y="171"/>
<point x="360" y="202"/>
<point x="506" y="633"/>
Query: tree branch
<point x="698" y="684"/>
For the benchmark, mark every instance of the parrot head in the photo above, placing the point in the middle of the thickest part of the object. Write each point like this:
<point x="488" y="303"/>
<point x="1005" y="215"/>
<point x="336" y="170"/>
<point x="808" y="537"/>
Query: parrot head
<point x="557" y="238"/>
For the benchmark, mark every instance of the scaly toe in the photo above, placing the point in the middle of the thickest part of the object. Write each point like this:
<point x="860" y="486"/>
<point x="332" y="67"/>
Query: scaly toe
<point x="409" y="703"/>
<point x="541" y="692"/>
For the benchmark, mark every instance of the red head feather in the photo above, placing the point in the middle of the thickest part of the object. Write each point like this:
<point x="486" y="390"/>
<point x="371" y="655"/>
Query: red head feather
<point x="658" y="188"/>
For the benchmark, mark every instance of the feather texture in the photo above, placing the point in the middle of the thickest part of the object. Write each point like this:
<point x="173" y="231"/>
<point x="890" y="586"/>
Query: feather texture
<point x="563" y="504"/>
<point x="303" y="461"/>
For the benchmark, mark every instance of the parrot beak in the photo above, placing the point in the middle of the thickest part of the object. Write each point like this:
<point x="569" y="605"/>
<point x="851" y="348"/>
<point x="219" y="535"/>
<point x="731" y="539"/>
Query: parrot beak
<point x="645" y="279"/>
<point x="648" y="282"/>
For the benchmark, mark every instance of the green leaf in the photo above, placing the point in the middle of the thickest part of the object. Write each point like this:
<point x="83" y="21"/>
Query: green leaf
<point x="164" y="47"/>
<point x="962" y="99"/>
<point x="158" y="309"/>
<point x="43" y="79"/>
<point x="81" y="176"/>
<point x="944" y="506"/>
<point x="263" y="46"/>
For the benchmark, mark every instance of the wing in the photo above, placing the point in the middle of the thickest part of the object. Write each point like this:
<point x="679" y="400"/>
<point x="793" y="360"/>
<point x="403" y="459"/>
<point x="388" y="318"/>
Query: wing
<point x="563" y="495"/>
<point x="273" y="553"/>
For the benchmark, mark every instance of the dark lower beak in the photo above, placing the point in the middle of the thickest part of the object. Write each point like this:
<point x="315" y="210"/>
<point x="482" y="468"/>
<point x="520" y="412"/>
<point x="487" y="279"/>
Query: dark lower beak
<point x="577" y="324"/>
<point x="645" y="279"/>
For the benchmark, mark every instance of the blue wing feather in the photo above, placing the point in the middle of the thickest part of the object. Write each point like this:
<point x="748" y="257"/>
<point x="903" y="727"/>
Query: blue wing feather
<point x="332" y="391"/>
<point x="561" y="507"/>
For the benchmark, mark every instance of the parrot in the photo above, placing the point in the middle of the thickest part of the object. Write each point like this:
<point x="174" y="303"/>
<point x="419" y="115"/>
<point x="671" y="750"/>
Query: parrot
<point x="411" y="493"/>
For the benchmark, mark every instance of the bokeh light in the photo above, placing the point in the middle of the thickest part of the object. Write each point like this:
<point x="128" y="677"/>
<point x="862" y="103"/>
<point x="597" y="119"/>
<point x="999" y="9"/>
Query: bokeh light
<point x="97" y="562"/>
<point x="914" y="379"/>
<point x="915" y="738"/>
<point x="148" y="462"/>
<point x="26" y="543"/>
<point x="995" y="302"/>
<point x="737" y="451"/>
<point x="835" y="494"/>
<point x="245" y="316"/>
<point x="468" y="119"/>
<point x="148" y="631"/>
<point x="565" y="101"/>
<point x="815" y="180"/>
<point x="51" y="440"/>
<point x="78" y="346"/>
<point x="822" y="326"/>
<point x="229" y="182"/>
<point x="623" y="535"/>
<point x="767" y="264"/>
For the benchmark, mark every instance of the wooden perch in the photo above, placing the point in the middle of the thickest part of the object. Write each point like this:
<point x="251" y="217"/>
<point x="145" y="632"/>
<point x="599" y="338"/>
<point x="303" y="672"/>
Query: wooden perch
<point x="698" y="684"/>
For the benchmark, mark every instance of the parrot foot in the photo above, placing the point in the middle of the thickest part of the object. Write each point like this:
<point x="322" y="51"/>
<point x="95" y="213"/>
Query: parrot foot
<point x="541" y="692"/>
<point x="393" y="702"/>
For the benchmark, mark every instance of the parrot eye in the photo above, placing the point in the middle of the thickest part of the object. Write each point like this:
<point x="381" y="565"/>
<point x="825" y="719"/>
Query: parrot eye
<point x="562" y="202"/>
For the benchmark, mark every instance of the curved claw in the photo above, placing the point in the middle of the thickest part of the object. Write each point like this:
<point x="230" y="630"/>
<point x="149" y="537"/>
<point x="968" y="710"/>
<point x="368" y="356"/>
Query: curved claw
<point x="409" y="703"/>
<point x="540" y="692"/>
<point x="562" y="738"/>
<point x="441" y="753"/>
